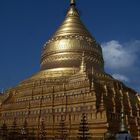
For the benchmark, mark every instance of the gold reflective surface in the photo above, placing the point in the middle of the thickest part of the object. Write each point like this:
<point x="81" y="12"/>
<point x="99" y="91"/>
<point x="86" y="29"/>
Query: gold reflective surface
<point x="66" y="46"/>
<point x="71" y="82"/>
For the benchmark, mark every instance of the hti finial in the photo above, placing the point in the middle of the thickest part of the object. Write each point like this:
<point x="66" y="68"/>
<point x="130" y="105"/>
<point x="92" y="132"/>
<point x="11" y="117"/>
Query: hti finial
<point x="92" y="80"/>
<point x="101" y="106"/>
<point x="92" y="71"/>
<point x="83" y="64"/>
<point x="72" y="2"/>
<point x="123" y="127"/>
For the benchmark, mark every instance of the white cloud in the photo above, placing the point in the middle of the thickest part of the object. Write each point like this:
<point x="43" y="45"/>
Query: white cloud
<point x="120" y="56"/>
<point x="123" y="61"/>
<point x="121" y="77"/>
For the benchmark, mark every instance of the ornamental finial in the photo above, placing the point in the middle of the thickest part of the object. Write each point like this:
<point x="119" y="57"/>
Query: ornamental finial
<point x="72" y="2"/>
<point x="123" y="127"/>
<point x="83" y="64"/>
<point x="92" y="82"/>
<point x="123" y="131"/>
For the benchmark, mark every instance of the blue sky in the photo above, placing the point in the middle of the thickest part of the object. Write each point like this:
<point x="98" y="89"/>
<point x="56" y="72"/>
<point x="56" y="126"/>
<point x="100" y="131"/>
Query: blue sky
<point x="26" y="25"/>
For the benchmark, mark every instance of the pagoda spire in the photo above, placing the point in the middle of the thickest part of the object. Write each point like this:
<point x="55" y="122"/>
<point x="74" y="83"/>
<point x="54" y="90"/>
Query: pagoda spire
<point x="83" y="65"/>
<point x="123" y="127"/>
<point x="101" y="106"/>
<point x="92" y="80"/>
<point x="123" y="133"/>
<point x="72" y="2"/>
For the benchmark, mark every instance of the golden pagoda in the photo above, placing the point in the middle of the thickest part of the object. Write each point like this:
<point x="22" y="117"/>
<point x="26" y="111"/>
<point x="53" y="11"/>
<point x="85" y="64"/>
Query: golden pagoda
<point x="71" y="82"/>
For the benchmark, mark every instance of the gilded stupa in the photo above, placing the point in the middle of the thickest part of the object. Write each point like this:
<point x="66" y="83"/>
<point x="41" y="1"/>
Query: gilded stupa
<point x="71" y="82"/>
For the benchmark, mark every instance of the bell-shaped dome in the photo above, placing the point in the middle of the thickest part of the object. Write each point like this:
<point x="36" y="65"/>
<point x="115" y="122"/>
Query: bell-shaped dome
<point x="64" y="50"/>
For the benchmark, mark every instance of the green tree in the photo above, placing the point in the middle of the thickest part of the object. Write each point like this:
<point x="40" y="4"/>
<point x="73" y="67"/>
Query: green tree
<point x="83" y="129"/>
<point x="14" y="135"/>
<point x="42" y="133"/>
<point x="62" y="132"/>
<point x="4" y="131"/>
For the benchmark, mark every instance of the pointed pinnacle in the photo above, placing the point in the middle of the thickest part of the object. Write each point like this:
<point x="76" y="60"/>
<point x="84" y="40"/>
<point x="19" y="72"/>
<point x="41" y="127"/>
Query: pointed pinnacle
<point x="72" y="2"/>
